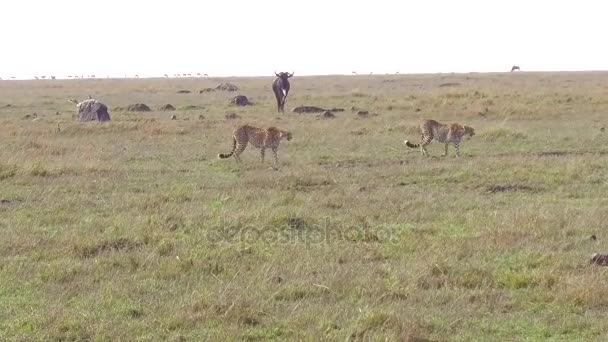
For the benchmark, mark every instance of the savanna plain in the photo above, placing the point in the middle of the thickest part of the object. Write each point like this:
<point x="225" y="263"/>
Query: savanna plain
<point x="133" y="230"/>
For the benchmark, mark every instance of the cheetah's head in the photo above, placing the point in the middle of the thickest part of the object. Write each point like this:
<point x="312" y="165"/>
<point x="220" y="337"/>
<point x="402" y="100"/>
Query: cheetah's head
<point x="469" y="131"/>
<point x="286" y="135"/>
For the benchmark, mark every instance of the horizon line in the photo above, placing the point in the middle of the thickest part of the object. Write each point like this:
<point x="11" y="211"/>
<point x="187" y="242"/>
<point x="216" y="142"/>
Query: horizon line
<point x="352" y="74"/>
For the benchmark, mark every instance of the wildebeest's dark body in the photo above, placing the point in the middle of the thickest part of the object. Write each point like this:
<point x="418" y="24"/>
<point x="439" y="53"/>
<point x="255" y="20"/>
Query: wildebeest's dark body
<point x="280" y="87"/>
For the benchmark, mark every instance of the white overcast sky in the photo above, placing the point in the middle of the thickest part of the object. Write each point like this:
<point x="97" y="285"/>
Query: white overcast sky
<point x="248" y="37"/>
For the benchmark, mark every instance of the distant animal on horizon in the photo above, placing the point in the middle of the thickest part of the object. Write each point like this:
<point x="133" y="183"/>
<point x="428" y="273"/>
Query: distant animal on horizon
<point x="447" y="134"/>
<point x="167" y="76"/>
<point x="260" y="138"/>
<point x="206" y="75"/>
<point x="280" y="87"/>
<point x="515" y="67"/>
<point x="354" y="72"/>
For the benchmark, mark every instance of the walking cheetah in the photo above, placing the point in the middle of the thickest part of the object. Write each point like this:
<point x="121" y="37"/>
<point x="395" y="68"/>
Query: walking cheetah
<point x="443" y="133"/>
<point x="258" y="137"/>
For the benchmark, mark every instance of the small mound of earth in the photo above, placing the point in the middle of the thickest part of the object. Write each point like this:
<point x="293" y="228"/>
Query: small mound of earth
<point x="327" y="115"/>
<point x="449" y="84"/>
<point x="509" y="188"/>
<point x="227" y="87"/>
<point x="183" y="91"/>
<point x="232" y="116"/>
<point x="138" y="107"/>
<point x="166" y="108"/>
<point x="206" y="90"/>
<point x="240" y="100"/>
<point x="308" y="109"/>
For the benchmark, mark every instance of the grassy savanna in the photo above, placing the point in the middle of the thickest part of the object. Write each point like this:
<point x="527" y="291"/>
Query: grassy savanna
<point x="134" y="230"/>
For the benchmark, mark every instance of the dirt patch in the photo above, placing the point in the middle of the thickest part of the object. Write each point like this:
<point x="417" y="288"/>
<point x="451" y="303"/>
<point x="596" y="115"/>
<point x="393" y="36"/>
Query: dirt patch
<point x="511" y="188"/>
<point x="106" y="246"/>
<point x="206" y="90"/>
<point x="231" y="116"/>
<point x="296" y="223"/>
<point x="183" y="91"/>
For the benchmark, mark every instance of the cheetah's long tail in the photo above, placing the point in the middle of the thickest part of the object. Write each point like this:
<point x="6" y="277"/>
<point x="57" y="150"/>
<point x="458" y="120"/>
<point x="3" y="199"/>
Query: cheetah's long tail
<point x="409" y="144"/>
<point x="228" y="155"/>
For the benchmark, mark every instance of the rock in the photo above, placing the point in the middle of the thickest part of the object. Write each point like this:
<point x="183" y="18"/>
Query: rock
<point x="138" y="107"/>
<point x="599" y="259"/>
<point x="173" y="117"/>
<point x="240" y="100"/>
<point x="183" y="91"/>
<point x="226" y="87"/>
<point x="363" y="113"/>
<point x="91" y="110"/>
<point x="232" y="116"/>
<point x="201" y="117"/>
<point x="206" y="90"/>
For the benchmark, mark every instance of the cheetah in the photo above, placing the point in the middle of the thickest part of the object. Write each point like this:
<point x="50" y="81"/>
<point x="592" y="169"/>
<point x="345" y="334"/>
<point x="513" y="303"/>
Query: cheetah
<point x="443" y="133"/>
<point x="260" y="138"/>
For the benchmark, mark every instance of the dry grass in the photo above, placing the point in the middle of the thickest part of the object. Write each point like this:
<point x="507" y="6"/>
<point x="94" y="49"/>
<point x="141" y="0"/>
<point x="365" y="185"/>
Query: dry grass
<point x="134" y="230"/>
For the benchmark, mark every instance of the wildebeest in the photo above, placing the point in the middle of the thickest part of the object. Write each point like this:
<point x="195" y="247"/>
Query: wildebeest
<point x="280" y="87"/>
<point x="515" y="67"/>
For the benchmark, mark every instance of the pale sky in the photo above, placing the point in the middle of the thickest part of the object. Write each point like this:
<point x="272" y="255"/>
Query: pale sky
<point x="248" y="37"/>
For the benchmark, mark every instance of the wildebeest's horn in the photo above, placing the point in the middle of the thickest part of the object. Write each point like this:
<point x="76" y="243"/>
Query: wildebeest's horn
<point x="291" y="74"/>
<point x="275" y="72"/>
